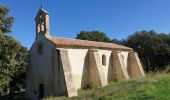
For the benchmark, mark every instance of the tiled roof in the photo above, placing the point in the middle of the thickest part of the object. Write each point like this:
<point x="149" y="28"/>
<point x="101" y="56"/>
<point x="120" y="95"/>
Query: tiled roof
<point x="67" y="42"/>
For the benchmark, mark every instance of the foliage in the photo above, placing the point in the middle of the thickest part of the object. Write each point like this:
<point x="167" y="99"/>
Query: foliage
<point x="115" y="41"/>
<point x="5" y="20"/>
<point x="153" y="49"/>
<point x="13" y="56"/>
<point x="93" y="36"/>
<point x="13" y="63"/>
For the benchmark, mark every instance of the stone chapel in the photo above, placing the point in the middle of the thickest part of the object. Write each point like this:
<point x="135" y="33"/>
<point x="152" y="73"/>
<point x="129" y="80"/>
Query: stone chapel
<point x="60" y="66"/>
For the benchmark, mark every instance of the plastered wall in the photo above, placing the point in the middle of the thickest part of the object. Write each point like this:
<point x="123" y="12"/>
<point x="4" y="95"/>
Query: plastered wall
<point x="47" y="68"/>
<point x="79" y="61"/>
<point x="41" y="70"/>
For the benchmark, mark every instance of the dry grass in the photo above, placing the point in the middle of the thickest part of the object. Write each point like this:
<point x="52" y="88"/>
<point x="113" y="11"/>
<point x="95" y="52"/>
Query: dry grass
<point x="155" y="86"/>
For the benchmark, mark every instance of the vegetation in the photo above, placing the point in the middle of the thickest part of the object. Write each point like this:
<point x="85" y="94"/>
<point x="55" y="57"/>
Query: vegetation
<point x="5" y="20"/>
<point x="153" y="48"/>
<point x="93" y="36"/>
<point x="13" y="57"/>
<point x="155" y="86"/>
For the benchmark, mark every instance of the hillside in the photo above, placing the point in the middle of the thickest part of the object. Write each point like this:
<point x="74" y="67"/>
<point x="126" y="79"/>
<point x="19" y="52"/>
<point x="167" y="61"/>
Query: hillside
<point x="154" y="86"/>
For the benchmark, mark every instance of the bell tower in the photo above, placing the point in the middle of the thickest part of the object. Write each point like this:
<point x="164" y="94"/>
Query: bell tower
<point x="42" y="22"/>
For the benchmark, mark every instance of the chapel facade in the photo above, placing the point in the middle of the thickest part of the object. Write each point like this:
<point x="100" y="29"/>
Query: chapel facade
<point x="60" y="66"/>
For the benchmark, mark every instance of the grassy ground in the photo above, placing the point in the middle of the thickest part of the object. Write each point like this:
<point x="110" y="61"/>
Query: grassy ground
<point x="16" y="96"/>
<point x="152" y="87"/>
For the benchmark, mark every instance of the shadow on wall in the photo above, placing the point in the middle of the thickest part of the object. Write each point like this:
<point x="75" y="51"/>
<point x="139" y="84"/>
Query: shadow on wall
<point x="62" y="90"/>
<point x="110" y="70"/>
<point x="85" y="75"/>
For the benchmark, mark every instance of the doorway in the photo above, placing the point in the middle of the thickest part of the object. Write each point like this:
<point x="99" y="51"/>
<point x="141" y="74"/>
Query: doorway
<point x="41" y="91"/>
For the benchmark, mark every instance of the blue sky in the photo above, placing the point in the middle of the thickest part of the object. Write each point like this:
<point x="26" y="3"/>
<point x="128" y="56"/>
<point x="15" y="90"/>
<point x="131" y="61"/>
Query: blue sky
<point x="117" y="18"/>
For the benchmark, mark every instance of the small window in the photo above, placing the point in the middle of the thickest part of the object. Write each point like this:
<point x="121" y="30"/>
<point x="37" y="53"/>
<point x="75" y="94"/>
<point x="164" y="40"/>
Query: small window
<point x="40" y="47"/>
<point x="104" y="60"/>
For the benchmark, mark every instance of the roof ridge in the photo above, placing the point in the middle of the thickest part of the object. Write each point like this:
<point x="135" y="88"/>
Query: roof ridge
<point x="83" y="40"/>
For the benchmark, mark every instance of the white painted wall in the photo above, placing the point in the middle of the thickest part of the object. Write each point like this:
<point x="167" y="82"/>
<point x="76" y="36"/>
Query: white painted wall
<point x="108" y="68"/>
<point x="79" y="63"/>
<point x="125" y="57"/>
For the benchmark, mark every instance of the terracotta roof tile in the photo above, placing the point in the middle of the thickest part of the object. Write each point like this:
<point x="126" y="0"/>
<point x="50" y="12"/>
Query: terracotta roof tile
<point x="67" y="42"/>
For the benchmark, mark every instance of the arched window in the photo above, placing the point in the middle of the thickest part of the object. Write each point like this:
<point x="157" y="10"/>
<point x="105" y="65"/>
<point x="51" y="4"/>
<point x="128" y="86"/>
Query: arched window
<point x="42" y="26"/>
<point x="38" y="28"/>
<point x="104" y="60"/>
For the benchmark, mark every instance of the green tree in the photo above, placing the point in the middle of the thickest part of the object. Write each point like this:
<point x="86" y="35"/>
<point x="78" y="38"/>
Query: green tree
<point x="5" y="20"/>
<point x="13" y="56"/>
<point x="93" y="36"/>
<point x="117" y="41"/>
<point x="153" y="49"/>
<point x="13" y="64"/>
